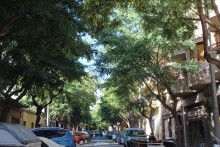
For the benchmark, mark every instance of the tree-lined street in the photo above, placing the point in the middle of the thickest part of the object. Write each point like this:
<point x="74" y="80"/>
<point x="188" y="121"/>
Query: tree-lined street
<point x="112" y="65"/>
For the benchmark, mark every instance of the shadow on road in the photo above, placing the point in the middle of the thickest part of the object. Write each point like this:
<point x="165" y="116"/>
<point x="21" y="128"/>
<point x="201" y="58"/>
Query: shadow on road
<point x="100" y="142"/>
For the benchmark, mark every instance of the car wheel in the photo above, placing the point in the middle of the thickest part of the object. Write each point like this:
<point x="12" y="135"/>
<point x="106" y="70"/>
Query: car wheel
<point x="86" y="141"/>
<point x="81" y="142"/>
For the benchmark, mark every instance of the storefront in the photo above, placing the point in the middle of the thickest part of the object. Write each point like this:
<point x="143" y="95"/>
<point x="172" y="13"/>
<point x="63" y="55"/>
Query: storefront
<point x="196" y="122"/>
<point x="196" y="127"/>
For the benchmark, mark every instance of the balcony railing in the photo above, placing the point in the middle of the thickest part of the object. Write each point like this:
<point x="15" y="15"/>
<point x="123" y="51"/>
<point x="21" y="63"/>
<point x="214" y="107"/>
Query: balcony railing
<point x="181" y="88"/>
<point x="216" y="47"/>
<point x="202" y="77"/>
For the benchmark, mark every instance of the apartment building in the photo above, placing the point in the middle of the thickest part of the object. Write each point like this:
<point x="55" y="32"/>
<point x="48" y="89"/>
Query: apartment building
<point x="195" y="90"/>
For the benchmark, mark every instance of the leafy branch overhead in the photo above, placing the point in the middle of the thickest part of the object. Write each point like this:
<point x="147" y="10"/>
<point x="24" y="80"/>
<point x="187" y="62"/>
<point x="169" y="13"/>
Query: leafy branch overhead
<point x="41" y="44"/>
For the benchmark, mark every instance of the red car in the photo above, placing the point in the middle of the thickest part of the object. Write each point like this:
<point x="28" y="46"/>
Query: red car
<point x="78" y="137"/>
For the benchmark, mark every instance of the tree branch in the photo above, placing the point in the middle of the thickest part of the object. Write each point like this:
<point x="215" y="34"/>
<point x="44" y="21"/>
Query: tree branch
<point x="9" y="26"/>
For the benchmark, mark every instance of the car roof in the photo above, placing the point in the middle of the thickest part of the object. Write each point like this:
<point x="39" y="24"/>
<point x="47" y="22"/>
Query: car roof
<point x="8" y="139"/>
<point x="21" y="133"/>
<point x="49" y="128"/>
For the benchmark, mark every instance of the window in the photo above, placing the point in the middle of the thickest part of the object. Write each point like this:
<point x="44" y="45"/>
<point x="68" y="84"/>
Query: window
<point x="24" y="123"/>
<point x="32" y="125"/>
<point x="136" y="133"/>
<point x="50" y="133"/>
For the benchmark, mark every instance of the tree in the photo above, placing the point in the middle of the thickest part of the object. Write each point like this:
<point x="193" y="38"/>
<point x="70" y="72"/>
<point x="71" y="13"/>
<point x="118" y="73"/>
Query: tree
<point x="97" y="122"/>
<point x="40" y="44"/>
<point x="146" y="107"/>
<point x="41" y="97"/>
<point x="110" y="110"/>
<point x="133" y="56"/>
<point x="183" y="11"/>
<point x="203" y="7"/>
<point x="75" y="101"/>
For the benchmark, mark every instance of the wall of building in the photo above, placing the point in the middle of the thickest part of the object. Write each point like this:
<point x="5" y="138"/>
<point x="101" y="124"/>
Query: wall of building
<point x="157" y="124"/>
<point x="14" y="114"/>
<point x="28" y="119"/>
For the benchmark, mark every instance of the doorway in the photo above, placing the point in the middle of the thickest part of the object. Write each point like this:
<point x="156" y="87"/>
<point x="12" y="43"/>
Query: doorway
<point x="196" y="133"/>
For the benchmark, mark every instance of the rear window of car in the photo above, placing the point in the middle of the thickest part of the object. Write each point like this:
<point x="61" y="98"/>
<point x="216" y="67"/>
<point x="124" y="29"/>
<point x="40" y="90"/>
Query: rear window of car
<point x="136" y="133"/>
<point x="76" y="134"/>
<point x="50" y="133"/>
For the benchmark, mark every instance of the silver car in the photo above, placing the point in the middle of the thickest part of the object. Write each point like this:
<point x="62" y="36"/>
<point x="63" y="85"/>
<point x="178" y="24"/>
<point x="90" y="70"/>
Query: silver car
<point x="134" y="134"/>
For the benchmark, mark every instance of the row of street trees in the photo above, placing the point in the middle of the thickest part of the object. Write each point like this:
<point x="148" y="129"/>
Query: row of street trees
<point x="40" y="47"/>
<point x="41" y="43"/>
<point x="140" y="37"/>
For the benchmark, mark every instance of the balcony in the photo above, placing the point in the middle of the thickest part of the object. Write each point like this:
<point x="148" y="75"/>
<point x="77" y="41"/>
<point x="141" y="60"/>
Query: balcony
<point x="197" y="80"/>
<point x="214" y="20"/>
<point x="180" y="55"/>
<point x="181" y="88"/>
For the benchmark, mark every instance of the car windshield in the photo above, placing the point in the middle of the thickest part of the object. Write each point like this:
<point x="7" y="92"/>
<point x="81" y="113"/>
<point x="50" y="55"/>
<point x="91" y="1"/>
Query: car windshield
<point x="136" y="133"/>
<point x="50" y="133"/>
<point x="122" y="134"/>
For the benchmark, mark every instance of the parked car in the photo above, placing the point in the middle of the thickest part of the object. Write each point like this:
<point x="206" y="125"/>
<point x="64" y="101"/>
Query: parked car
<point x="58" y="135"/>
<point x="78" y="137"/>
<point x="109" y="134"/>
<point x="114" y="135"/>
<point x="86" y="137"/>
<point x="98" y="133"/>
<point x="134" y="134"/>
<point x="17" y="135"/>
<point x="104" y="133"/>
<point x="121" y="138"/>
<point x="88" y="132"/>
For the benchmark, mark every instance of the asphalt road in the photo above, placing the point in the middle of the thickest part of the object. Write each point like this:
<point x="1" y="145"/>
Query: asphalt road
<point x="100" y="142"/>
<point x="105" y="142"/>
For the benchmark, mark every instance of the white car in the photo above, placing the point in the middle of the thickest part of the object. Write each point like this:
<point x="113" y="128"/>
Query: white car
<point x="134" y="134"/>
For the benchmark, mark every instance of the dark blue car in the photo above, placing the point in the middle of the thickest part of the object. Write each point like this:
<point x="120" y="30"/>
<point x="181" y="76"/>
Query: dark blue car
<point x="59" y="135"/>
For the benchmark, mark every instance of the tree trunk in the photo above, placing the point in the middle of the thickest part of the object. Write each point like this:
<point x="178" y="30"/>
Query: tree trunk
<point x="127" y="123"/>
<point x="177" y="129"/>
<point x="38" y="114"/>
<point x="4" y="113"/>
<point x="151" y="125"/>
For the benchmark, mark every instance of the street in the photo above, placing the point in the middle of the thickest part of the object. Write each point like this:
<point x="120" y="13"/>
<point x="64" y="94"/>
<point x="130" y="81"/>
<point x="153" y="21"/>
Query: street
<point x="100" y="142"/>
<point x="105" y="142"/>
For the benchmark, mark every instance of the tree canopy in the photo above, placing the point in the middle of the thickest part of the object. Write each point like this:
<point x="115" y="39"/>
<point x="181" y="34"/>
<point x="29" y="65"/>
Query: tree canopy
<point x="40" y="44"/>
<point x="73" y="105"/>
<point x="137" y="53"/>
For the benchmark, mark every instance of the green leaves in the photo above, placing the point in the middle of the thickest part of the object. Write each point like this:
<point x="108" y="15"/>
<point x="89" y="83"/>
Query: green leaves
<point x="44" y="45"/>
<point x="75" y="101"/>
<point x="40" y="45"/>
